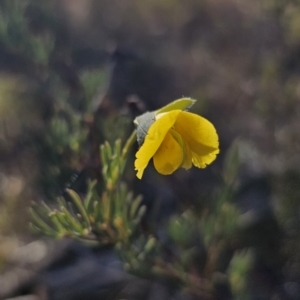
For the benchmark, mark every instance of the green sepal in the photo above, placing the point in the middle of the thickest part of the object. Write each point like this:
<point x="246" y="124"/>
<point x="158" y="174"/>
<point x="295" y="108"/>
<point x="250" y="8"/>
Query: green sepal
<point x="143" y="123"/>
<point x="181" y="104"/>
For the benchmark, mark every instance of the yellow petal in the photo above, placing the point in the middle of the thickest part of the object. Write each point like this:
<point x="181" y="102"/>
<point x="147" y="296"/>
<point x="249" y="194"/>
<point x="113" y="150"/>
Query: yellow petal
<point x="153" y="140"/>
<point x="187" y="154"/>
<point x="169" y="156"/>
<point x="187" y="163"/>
<point x="201" y="137"/>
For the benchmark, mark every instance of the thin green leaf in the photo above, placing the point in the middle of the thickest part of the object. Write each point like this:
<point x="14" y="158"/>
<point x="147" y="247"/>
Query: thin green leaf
<point x="57" y="224"/>
<point x="40" y="223"/>
<point x="134" y="206"/>
<point x="90" y="195"/>
<point x="76" y="226"/>
<point x="78" y="203"/>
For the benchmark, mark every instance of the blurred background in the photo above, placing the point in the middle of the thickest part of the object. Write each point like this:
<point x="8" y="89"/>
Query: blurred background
<point x="74" y="73"/>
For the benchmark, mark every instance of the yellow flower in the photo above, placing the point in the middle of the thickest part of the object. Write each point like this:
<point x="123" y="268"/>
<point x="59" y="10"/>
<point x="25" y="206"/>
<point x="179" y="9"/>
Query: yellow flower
<point x="175" y="138"/>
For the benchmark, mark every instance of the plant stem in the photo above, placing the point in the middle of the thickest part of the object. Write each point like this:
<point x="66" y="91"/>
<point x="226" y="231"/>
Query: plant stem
<point x="131" y="140"/>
